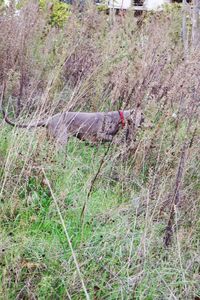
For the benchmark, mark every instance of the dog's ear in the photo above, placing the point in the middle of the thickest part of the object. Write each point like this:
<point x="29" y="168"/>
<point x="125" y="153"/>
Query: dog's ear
<point x="139" y="117"/>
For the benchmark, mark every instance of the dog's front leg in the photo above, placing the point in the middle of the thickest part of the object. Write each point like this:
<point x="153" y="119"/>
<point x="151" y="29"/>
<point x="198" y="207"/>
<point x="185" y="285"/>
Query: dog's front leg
<point x="105" y="137"/>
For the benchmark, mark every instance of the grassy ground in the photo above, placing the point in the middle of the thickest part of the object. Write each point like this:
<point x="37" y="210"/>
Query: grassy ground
<point x="117" y="221"/>
<point x="118" y="246"/>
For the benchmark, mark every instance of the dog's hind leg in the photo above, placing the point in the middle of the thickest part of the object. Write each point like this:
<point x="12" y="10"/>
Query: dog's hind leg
<point x="60" y="144"/>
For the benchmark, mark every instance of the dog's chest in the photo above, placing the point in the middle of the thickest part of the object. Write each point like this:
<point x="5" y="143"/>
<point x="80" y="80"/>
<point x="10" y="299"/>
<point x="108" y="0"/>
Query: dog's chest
<point x="109" y="124"/>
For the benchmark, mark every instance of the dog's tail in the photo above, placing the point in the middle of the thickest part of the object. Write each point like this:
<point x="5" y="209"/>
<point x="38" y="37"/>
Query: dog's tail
<point x="30" y="125"/>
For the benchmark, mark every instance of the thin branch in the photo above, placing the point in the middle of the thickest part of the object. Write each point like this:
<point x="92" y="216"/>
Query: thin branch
<point x="67" y="236"/>
<point x="93" y="182"/>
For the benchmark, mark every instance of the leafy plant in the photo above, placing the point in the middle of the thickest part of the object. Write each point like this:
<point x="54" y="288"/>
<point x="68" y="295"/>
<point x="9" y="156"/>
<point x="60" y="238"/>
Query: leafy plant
<point x="58" y="11"/>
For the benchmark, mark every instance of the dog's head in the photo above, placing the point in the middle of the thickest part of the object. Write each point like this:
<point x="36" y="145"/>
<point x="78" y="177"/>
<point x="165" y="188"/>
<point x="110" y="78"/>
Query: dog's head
<point x="135" y="117"/>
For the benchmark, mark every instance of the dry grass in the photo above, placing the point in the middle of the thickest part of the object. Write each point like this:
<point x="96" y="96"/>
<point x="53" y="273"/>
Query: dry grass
<point x="140" y="236"/>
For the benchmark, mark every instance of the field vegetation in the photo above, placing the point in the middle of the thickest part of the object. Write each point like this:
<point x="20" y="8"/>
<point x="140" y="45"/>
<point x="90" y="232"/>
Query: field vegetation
<point x="119" y="220"/>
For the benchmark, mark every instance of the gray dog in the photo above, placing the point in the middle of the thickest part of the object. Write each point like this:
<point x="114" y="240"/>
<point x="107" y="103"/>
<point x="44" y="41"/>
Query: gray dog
<point x="93" y="127"/>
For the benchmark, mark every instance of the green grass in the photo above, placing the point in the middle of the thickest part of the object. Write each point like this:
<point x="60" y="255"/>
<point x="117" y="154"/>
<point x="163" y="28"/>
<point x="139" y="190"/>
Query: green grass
<point x="120" y="254"/>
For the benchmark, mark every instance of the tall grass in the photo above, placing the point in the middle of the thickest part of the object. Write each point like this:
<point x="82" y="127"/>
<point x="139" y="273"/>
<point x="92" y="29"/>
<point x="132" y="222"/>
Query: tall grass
<point x="139" y="238"/>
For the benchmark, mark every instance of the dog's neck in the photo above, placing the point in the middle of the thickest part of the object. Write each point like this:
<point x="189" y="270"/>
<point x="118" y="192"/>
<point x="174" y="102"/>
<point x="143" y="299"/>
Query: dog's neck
<point x="122" y="118"/>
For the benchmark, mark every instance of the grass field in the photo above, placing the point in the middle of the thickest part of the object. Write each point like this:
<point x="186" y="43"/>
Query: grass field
<point x="104" y="221"/>
<point x="118" y="244"/>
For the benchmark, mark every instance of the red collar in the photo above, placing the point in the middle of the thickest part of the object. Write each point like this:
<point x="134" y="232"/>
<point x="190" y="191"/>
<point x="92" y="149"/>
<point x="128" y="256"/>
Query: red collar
<point x="121" y="114"/>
